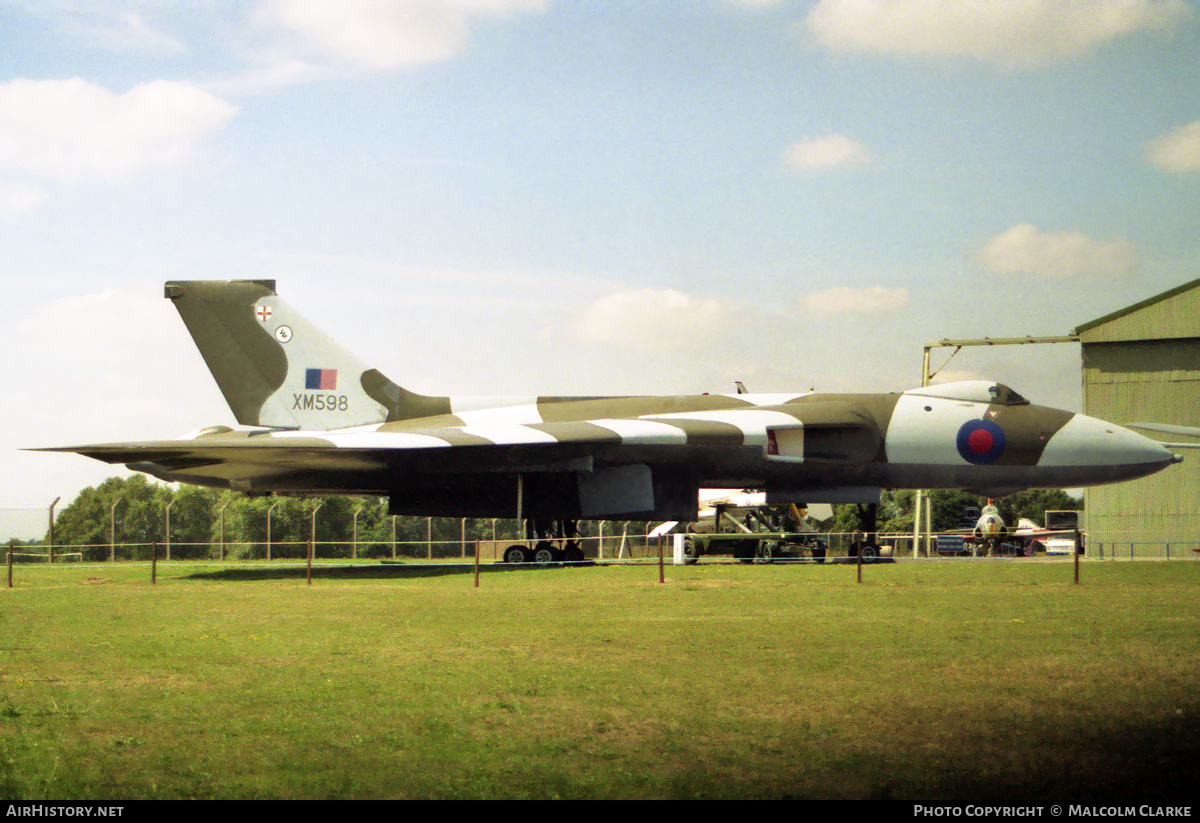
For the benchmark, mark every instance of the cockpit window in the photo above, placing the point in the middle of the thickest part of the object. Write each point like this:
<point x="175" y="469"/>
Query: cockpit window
<point x="1005" y="396"/>
<point x="974" y="391"/>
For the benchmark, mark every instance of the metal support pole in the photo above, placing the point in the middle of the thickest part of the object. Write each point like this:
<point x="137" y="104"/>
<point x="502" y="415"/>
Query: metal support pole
<point x="1077" y="556"/>
<point x="270" y="509"/>
<point x="916" y="523"/>
<point x="354" y="545"/>
<point x="221" y="513"/>
<point x="52" y="505"/>
<point x="112" y="532"/>
<point x="928" y="536"/>
<point x="167" y="529"/>
<point x="661" y="573"/>
<point x="312" y="542"/>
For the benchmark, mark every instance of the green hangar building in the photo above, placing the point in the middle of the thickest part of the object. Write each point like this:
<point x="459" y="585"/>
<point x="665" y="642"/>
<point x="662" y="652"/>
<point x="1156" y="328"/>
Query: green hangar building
<point x="1142" y="365"/>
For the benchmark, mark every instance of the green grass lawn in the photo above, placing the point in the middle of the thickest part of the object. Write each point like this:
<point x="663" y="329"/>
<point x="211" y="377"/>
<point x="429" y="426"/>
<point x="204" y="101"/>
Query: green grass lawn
<point x="931" y="680"/>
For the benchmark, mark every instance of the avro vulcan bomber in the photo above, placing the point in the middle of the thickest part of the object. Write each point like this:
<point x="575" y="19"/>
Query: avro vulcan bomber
<point x="315" y="419"/>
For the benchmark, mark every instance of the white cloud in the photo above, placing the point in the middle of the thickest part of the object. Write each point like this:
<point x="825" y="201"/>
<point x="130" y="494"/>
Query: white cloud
<point x="1027" y="250"/>
<point x="17" y="199"/>
<point x="1178" y="150"/>
<point x="71" y="129"/>
<point x="651" y="318"/>
<point x="846" y="300"/>
<point x="380" y="34"/>
<point x="828" y="152"/>
<point x="1011" y="34"/>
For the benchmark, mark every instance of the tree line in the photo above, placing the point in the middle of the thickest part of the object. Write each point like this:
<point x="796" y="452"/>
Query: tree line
<point x="133" y="510"/>
<point x="948" y="507"/>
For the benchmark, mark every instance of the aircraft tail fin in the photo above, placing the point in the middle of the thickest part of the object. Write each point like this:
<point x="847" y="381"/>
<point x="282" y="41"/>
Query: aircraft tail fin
<point x="277" y="369"/>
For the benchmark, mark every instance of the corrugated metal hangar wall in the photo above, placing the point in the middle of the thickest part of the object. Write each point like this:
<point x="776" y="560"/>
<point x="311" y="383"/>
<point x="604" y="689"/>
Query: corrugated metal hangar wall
<point x="1142" y="365"/>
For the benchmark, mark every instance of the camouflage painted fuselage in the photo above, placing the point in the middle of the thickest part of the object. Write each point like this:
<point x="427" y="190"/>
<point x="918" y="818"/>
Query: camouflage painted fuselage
<point x="317" y="420"/>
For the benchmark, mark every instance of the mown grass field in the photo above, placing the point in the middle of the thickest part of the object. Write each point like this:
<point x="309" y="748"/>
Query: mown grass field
<point x="930" y="680"/>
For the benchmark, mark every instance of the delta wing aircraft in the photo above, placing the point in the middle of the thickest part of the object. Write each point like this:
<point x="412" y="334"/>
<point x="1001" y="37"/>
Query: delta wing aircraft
<point x="314" y="419"/>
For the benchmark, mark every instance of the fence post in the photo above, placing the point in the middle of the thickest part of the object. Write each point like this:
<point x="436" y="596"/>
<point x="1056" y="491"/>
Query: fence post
<point x="313" y="534"/>
<point x="51" y="547"/>
<point x="112" y="532"/>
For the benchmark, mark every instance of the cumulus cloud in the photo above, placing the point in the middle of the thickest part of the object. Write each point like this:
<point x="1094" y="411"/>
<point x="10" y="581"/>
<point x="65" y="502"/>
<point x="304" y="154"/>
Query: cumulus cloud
<point x="1178" y="150"/>
<point x="71" y="130"/>
<point x="828" y="152"/>
<point x="650" y="318"/>
<point x="17" y="199"/>
<point x="847" y="300"/>
<point x="1025" y="34"/>
<point x="1027" y="250"/>
<point x="381" y="34"/>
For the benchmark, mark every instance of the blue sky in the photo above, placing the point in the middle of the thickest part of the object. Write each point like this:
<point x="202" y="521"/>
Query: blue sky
<point x="519" y="196"/>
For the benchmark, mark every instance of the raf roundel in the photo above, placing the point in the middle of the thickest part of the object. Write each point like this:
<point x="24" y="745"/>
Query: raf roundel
<point x="980" y="442"/>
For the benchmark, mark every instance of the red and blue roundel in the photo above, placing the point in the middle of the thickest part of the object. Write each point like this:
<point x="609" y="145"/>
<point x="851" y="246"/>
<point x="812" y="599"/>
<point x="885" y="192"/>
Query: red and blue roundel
<point x="980" y="442"/>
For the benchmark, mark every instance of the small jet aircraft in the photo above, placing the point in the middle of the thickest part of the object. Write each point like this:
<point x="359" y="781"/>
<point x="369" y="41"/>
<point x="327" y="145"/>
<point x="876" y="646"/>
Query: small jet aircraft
<point x="314" y="419"/>
<point x="990" y="529"/>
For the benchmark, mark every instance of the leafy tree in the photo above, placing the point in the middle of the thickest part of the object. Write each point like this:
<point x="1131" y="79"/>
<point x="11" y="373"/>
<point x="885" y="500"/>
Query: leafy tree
<point x="86" y="520"/>
<point x="948" y="507"/>
<point x="192" y="516"/>
<point x="896" y="510"/>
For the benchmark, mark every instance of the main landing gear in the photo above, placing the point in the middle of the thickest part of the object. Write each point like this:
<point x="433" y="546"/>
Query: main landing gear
<point x="868" y="517"/>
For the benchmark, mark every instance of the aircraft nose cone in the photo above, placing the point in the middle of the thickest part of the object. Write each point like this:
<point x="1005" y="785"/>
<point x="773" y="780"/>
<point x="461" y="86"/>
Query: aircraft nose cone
<point x="1114" y="451"/>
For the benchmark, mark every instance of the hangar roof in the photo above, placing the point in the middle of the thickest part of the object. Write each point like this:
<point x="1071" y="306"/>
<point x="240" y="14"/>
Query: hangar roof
<point x="1170" y="315"/>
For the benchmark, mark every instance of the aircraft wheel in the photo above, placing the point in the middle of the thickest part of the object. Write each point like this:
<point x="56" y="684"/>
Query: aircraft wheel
<point x="690" y="553"/>
<point x="818" y="555"/>
<point x="573" y="554"/>
<point x="870" y="551"/>
<point x="514" y="554"/>
<point x="766" y="552"/>
<point x="543" y="553"/>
